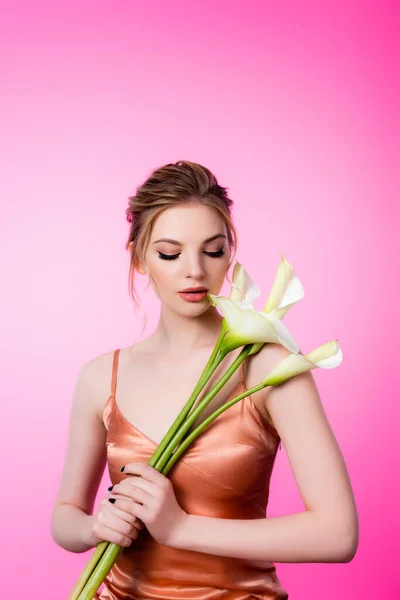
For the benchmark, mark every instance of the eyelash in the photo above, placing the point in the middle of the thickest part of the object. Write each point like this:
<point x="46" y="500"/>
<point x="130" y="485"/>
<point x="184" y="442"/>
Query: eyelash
<point x="217" y="254"/>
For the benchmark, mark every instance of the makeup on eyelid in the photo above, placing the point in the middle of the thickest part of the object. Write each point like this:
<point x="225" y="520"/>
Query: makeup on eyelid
<point x="216" y="254"/>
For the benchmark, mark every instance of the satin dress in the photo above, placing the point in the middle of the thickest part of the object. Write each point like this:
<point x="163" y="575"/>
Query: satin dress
<point x="225" y="473"/>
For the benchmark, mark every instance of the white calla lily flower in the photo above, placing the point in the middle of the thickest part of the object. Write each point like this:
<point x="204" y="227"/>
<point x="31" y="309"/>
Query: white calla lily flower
<point x="327" y="356"/>
<point x="243" y="290"/>
<point x="286" y="290"/>
<point x="258" y="327"/>
<point x="246" y="326"/>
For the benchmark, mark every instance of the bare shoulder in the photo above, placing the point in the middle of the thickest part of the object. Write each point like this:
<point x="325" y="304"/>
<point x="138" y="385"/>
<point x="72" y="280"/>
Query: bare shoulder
<point x="95" y="378"/>
<point x="257" y="368"/>
<point x="294" y="402"/>
<point x="260" y="364"/>
<point x="96" y="373"/>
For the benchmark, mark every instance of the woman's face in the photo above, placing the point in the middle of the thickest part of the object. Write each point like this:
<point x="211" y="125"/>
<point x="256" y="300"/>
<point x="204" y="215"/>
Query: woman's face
<point x="188" y="248"/>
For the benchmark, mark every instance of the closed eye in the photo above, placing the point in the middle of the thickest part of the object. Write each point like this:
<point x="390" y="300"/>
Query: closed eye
<point x="216" y="254"/>
<point x="167" y="256"/>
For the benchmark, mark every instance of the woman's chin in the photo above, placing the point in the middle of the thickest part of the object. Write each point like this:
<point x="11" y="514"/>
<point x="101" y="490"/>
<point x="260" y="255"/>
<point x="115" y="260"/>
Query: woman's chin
<point x="192" y="309"/>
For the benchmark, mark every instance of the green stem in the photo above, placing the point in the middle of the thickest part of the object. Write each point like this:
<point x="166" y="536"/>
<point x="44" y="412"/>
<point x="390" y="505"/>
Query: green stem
<point x="202" y="404"/>
<point x="87" y="571"/>
<point x="212" y="363"/>
<point x="196" y="432"/>
<point x="100" y="571"/>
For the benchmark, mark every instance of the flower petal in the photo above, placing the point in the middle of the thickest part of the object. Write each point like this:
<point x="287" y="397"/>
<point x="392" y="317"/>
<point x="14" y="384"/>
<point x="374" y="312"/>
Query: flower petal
<point x="290" y="366"/>
<point x="284" y="336"/>
<point x="245" y="306"/>
<point x="251" y="326"/>
<point x="243" y="289"/>
<point x="229" y="309"/>
<point x="327" y="356"/>
<point x="286" y="290"/>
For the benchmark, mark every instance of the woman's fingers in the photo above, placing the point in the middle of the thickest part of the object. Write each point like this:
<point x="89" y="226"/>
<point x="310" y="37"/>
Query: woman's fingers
<point x="131" y="493"/>
<point x="134" y="488"/>
<point x="103" y="532"/>
<point x="119" y="511"/>
<point x="113" y="519"/>
<point x="122" y="508"/>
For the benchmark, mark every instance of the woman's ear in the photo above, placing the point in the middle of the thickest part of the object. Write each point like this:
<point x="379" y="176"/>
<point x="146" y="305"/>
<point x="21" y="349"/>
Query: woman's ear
<point x="142" y="269"/>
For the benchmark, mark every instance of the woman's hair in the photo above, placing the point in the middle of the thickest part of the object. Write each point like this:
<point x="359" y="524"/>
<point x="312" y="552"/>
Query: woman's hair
<point x="172" y="185"/>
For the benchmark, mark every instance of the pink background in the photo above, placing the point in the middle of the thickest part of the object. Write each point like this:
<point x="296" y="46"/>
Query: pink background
<point x="294" y="106"/>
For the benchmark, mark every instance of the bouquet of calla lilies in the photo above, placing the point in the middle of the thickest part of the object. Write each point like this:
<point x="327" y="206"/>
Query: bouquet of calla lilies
<point x="242" y="326"/>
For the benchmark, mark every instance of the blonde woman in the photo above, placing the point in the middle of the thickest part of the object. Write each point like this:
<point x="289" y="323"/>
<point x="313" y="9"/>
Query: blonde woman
<point x="202" y="532"/>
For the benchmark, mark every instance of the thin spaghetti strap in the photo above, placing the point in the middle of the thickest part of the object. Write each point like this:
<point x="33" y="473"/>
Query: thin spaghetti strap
<point x="114" y="372"/>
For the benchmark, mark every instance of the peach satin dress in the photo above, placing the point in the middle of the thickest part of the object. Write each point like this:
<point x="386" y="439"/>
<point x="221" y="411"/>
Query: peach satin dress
<point x="224" y="473"/>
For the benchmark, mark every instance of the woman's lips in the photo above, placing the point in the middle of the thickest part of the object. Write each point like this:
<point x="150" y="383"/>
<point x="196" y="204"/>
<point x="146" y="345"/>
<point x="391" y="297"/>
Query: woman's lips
<point x="193" y="296"/>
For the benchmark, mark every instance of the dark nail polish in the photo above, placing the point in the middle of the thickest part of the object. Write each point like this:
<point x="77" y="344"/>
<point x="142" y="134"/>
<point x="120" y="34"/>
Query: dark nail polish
<point x="110" y="488"/>
<point x="112" y="500"/>
<point x="122" y="468"/>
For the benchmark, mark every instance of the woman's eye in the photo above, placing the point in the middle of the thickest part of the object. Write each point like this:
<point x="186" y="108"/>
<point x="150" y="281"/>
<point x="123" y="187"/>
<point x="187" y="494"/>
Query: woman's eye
<point x="167" y="256"/>
<point x="219" y="252"/>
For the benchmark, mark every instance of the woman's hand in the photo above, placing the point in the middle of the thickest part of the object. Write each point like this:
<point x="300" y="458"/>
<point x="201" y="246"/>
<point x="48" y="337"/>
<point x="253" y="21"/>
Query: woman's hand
<point x="114" y="524"/>
<point x="149" y="495"/>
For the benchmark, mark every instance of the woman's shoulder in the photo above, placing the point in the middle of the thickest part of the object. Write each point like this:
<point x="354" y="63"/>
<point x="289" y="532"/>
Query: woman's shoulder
<point x="257" y="368"/>
<point x="96" y="373"/>
<point x="95" y="376"/>
<point x="262" y="363"/>
<point x="100" y="366"/>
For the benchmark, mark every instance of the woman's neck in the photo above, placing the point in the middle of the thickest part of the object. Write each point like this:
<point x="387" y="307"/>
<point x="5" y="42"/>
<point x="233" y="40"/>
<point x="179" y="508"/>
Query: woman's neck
<point x="176" y="335"/>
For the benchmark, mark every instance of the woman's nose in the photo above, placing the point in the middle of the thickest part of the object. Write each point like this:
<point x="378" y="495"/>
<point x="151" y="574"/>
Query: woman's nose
<point x="195" y="267"/>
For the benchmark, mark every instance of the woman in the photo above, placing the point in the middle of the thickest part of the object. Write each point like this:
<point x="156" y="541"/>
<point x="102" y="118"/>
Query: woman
<point x="202" y="531"/>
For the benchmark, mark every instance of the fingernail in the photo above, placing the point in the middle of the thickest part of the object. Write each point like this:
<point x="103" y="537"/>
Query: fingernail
<point x="112" y="500"/>
<point x="122" y="468"/>
<point x="110" y="488"/>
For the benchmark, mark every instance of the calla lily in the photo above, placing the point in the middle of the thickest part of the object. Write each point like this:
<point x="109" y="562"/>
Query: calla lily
<point x="243" y="289"/>
<point x="327" y="356"/>
<point x="286" y="290"/>
<point x="246" y="326"/>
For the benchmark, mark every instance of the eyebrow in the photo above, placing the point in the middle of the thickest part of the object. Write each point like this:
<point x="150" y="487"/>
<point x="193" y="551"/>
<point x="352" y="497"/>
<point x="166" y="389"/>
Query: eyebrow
<point x="210" y="239"/>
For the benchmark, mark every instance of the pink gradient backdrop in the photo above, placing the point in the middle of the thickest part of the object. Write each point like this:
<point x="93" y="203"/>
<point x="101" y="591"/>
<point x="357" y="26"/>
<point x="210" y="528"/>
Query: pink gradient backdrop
<point x="294" y="106"/>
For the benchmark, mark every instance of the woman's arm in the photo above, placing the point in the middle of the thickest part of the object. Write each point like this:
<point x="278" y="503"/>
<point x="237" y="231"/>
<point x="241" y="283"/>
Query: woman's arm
<point x="328" y="530"/>
<point x="84" y="464"/>
<point x="71" y="528"/>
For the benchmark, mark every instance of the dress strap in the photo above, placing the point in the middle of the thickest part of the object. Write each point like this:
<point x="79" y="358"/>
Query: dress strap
<point x="114" y="372"/>
<point x="242" y="374"/>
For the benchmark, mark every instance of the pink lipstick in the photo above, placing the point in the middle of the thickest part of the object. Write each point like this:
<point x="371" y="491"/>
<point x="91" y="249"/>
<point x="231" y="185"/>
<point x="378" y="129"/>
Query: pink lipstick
<point x="193" y="294"/>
